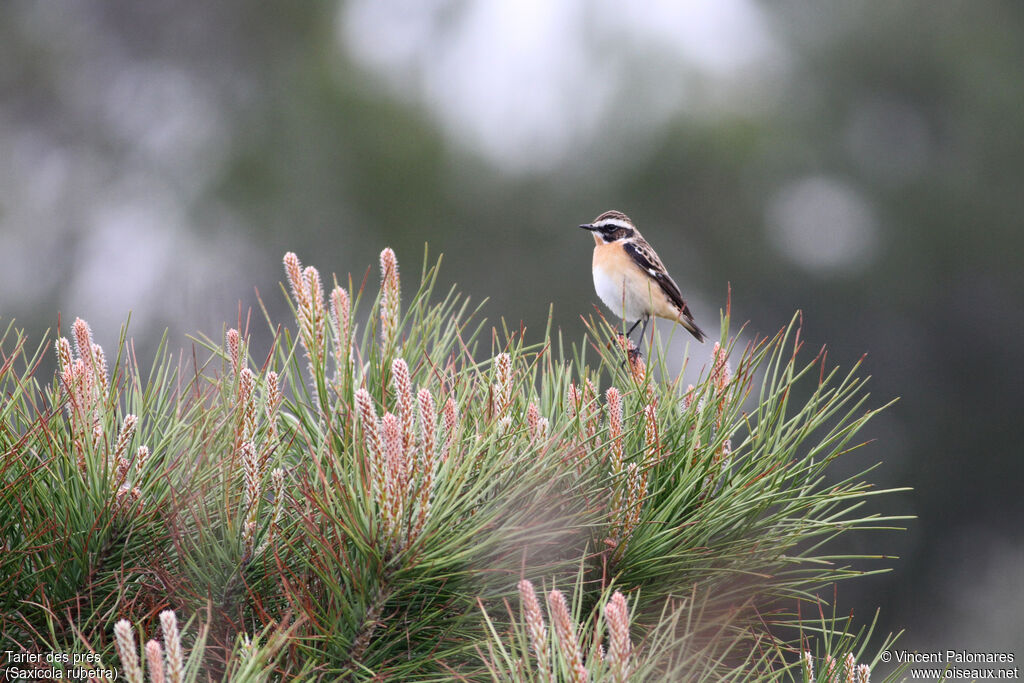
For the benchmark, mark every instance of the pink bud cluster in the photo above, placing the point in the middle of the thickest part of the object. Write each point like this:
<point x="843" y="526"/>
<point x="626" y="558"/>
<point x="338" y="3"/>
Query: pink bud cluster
<point x="370" y="424"/>
<point x="568" y="643"/>
<point x="615" y="664"/>
<point x="637" y="492"/>
<point x="84" y="380"/>
<point x="316" y="322"/>
<point x="272" y="408"/>
<point x="172" y="646"/>
<point x="626" y="507"/>
<point x="232" y="341"/>
<point x="126" y="494"/>
<point x="614" y="403"/>
<point x="630" y="483"/>
<point x="620" y="649"/>
<point x="720" y="378"/>
<point x="341" y="337"/>
<point x="247" y="409"/>
<point x="591" y="412"/>
<point x="155" y="662"/>
<point x="341" y="327"/>
<point x="257" y="400"/>
<point x="402" y="460"/>
<point x="851" y="671"/>
<point x="124" y="437"/>
<point x="450" y="420"/>
<point x="651" y="440"/>
<point x="537" y="427"/>
<point x="536" y="629"/>
<point x="253" y="477"/>
<point x="572" y="400"/>
<point x="85" y="385"/>
<point x="162" y="669"/>
<point x="721" y="372"/>
<point x="308" y="295"/>
<point x="688" y="396"/>
<point x="501" y="390"/>
<point x="277" y="478"/>
<point x="830" y="670"/>
<point x="401" y="382"/>
<point x="391" y="298"/>
<point x="395" y="482"/>
<point x="125" y="642"/>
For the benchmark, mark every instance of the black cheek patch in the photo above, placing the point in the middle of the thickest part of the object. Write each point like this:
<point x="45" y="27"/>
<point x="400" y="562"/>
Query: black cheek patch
<point x="611" y="233"/>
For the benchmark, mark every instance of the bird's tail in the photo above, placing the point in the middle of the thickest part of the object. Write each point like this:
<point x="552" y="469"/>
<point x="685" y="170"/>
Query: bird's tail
<point x="686" y="320"/>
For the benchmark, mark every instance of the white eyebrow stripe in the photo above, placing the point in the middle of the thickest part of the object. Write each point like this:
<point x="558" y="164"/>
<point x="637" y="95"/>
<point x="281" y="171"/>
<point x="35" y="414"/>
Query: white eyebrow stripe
<point x="612" y="222"/>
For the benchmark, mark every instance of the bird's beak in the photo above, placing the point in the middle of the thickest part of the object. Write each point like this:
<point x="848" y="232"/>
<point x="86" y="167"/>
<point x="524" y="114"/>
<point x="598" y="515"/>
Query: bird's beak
<point x="587" y="226"/>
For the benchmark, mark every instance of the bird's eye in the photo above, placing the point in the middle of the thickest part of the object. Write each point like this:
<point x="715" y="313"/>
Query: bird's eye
<point x="615" y="232"/>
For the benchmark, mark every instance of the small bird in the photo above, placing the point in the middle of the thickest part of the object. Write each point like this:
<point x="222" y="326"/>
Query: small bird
<point x="630" y="278"/>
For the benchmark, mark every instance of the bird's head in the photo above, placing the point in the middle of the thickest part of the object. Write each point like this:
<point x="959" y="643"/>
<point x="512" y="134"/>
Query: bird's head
<point x="611" y="226"/>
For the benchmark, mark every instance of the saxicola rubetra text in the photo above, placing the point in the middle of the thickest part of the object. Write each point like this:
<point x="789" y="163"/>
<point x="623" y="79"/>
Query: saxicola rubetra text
<point x="630" y="278"/>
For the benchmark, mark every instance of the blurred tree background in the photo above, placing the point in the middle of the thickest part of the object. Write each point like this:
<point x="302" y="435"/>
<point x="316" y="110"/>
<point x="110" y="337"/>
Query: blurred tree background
<point x="863" y="162"/>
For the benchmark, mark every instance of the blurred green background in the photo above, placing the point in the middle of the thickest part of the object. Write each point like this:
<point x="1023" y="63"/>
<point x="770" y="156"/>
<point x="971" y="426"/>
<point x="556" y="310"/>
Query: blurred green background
<point x="863" y="162"/>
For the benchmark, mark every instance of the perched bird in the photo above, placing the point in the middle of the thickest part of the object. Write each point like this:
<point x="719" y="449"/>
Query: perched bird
<point x="630" y="278"/>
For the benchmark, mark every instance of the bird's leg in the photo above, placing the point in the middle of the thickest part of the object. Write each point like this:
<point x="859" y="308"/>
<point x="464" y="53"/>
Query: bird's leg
<point x="633" y="350"/>
<point x="643" y="330"/>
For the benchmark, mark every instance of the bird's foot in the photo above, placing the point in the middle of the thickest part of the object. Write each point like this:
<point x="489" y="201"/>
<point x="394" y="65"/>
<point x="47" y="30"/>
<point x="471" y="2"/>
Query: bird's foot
<point x="633" y="354"/>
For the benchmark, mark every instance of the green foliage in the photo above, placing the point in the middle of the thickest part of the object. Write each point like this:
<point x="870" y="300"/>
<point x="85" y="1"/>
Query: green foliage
<point x="362" y="501"/>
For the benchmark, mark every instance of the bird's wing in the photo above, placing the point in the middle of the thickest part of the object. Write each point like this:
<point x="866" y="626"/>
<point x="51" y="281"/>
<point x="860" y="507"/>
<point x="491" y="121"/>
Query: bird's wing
<point x="645" y="258"/>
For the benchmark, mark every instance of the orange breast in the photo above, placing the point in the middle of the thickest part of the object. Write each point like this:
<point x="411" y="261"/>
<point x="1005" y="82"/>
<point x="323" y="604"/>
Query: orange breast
<point x="625" y="288"/>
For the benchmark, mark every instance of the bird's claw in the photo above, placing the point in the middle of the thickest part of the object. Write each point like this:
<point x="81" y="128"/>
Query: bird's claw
<point x="633" y="353"/>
